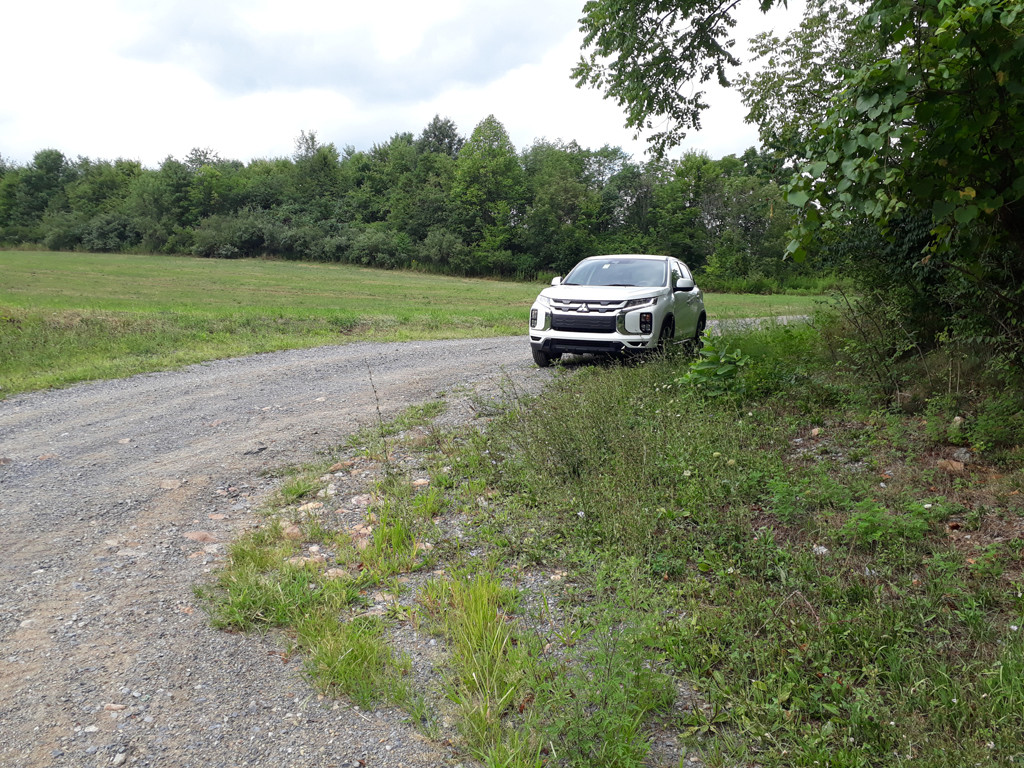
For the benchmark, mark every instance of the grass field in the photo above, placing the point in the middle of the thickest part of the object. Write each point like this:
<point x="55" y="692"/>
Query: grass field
<point x="67" y="317"/>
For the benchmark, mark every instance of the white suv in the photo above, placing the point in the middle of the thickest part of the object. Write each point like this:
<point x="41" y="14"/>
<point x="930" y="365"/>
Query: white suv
<point x="616" y="304"/>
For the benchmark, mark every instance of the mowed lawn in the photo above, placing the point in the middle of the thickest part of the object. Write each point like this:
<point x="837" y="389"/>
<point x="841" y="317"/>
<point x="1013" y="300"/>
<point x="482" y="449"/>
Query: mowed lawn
<point x="67" y="317"/>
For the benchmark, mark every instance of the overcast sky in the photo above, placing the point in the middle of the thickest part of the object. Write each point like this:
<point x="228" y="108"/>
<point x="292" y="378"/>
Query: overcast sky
<point x="144" y="79"/>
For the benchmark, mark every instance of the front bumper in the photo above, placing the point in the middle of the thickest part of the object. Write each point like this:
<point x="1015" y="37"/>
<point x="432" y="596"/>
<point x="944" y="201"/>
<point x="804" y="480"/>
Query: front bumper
<point x="554" y="343"/>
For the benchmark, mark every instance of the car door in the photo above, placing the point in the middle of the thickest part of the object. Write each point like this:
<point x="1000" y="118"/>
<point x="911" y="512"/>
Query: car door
<point x="688" y="304"/>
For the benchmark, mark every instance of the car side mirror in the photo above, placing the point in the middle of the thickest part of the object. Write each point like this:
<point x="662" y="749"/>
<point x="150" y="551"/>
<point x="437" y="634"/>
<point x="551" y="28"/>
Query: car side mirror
<point x="556" y="280"/>
<point x="685" y="284"/>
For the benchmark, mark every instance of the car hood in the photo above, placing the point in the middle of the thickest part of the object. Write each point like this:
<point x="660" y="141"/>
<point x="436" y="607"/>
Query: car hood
<point x="599" y="292"/>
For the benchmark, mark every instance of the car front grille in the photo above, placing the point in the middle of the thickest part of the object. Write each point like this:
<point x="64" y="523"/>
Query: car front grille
<point x="586" y="323"/>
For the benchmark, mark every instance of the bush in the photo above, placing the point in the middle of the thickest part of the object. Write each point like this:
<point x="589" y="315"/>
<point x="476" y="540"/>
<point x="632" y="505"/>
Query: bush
<point x="999" y="422"/>
<point x="225" y="237"/>
<point x="251" y="233"/>
<point x="111" y="232"/>
<point x="716" y="369"/>
<point x="382" y="247"/>
<point x="180" y="240"/>
<point x="505" y="263"/>
<point x="63" y="232"/>
<point x="443" y="248"/>
<point x="332" y="248"/>
<point x="873" y="527"/>
<point x="943" y="423"/>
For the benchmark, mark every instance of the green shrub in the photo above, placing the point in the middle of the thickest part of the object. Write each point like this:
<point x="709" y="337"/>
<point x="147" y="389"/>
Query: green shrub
<point x="943" y="423"/>
<point x="999" y="422"/>
<point x="716" y="370"/>
<point x="379" y="246"/>
<point x="111" y="232"/>
<point x="872" y="527"/>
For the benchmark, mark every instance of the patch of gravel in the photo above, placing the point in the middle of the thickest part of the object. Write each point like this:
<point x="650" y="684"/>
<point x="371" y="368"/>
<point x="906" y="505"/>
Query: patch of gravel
<point x="117" y="497"/>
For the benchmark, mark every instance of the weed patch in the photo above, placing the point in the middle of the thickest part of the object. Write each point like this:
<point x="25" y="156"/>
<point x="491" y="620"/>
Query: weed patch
<point x="812" y="598"/>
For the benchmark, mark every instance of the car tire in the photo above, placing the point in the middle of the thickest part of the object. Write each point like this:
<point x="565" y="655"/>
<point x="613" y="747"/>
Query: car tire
<point x="543" y="359"/>
<point x="697" y="342"/>
<point x="668" y="332"/>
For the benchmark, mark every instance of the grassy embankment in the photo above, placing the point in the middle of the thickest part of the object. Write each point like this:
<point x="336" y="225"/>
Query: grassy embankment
<point x="73" y="317"/>
<point x="836" y="581"/>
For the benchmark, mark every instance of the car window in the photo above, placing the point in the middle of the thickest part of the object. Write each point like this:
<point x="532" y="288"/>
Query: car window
<point x="684" y="271"/>
<point x="618" y="271"/>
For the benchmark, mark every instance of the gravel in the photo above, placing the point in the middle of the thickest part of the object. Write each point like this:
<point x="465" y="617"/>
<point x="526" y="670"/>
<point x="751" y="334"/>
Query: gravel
<point x="117" y="497"/>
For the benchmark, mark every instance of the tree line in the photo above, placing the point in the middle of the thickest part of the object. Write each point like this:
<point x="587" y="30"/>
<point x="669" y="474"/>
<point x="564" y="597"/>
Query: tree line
<point x="437" y="201"/>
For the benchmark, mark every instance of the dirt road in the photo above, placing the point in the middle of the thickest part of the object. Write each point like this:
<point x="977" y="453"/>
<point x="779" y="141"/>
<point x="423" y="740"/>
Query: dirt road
<point x="105" y="658"/>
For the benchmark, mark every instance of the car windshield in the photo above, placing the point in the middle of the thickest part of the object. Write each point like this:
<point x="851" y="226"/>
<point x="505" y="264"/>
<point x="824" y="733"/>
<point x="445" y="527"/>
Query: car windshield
<point x="618" y="271"/>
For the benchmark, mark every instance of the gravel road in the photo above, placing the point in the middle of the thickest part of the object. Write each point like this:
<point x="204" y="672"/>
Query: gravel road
<point x="105" y="657"/>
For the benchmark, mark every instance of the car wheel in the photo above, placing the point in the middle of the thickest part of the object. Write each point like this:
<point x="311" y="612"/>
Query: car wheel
<point x="697" y="342"/>
<point x="543" y="359"/>
<point x="668" y="332"/>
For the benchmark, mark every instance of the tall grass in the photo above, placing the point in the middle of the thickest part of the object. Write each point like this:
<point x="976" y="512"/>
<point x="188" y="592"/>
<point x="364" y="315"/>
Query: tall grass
<point x="815" y="600"/>
<point x="489" y="659"/>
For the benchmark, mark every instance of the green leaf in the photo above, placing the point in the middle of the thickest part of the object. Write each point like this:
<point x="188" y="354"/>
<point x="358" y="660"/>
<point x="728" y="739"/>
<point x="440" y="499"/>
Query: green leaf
<point x="798" y="197"/>
<point x="866" y="102"/>
<point x="792" y="246"/>
<point x="941" y="209"/>
<point x="797" y="251"/>
<point x="817" y="169"/>
<point x="966" y="214"/>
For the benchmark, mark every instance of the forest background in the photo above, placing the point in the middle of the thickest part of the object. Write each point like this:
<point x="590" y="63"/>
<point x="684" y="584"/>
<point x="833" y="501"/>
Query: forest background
<point x="437" y="202"/>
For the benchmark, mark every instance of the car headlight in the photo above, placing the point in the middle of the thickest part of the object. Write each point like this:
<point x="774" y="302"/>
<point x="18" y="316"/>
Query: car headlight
<point x="652" y="300"/>
<point x="543" y="301"/>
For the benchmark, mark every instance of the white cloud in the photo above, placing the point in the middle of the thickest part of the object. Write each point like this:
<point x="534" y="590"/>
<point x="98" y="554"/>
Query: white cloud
<point x="114" y="78"/>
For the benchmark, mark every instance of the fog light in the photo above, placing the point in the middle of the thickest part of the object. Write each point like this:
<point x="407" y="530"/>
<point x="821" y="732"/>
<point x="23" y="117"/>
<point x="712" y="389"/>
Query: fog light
<point x="533" y="318"/>
<point x="646" y="322"/>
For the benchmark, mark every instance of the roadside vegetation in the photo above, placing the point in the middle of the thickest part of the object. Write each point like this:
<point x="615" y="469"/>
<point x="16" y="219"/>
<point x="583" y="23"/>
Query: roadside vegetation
<point x="73" y="317"/>
<point x="781" y="552"/>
